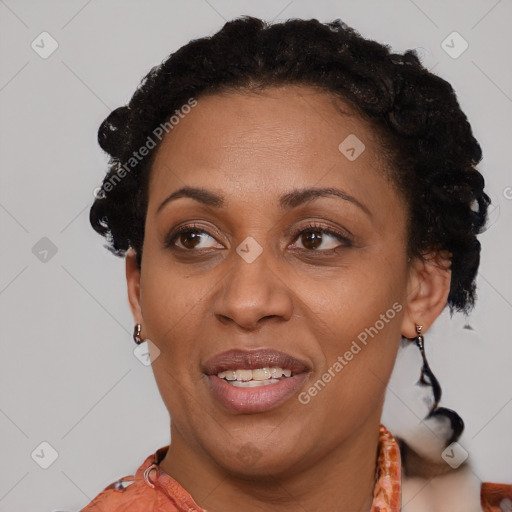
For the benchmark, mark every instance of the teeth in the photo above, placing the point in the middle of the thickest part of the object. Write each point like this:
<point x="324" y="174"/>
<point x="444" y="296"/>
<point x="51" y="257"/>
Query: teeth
<point x="243" y="375"/>
<point x="261" y="374"/>
<point x="265" y="375"/>
<point x="276" y="372"/>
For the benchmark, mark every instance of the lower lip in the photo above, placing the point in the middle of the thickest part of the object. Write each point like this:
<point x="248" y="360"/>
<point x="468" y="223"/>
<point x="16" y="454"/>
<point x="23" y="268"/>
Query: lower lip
<point x="257" y="399"/>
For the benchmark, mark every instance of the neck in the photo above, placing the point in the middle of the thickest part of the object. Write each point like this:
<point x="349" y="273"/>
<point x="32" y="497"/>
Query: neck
<point x="343" y="479"/>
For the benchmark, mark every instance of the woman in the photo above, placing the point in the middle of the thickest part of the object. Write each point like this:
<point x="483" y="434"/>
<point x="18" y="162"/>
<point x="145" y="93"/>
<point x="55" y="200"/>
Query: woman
<point x="292" y="201"/>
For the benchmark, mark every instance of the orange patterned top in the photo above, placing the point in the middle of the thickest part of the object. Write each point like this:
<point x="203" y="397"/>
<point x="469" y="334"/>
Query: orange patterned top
<point x="151" y="489"/>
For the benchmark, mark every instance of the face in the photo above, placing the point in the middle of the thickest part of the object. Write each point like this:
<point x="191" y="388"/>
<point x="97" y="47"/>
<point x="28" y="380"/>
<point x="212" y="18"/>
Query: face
<point x="285" y="250"/>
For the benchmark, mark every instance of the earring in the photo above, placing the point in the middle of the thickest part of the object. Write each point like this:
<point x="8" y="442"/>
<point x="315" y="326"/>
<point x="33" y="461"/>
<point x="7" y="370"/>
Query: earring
<point x="427" y="378"/>
<point x="136" y="334"/>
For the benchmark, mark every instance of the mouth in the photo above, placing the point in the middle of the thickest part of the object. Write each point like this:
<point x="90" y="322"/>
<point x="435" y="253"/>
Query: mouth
<point x="254" y="378"/>
<point x="254" y="381"/>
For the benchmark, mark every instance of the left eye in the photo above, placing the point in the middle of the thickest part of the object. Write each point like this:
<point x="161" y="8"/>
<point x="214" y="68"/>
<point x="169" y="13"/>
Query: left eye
<point x="318" y="238"/>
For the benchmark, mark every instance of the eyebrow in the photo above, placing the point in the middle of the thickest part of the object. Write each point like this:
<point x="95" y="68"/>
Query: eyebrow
<point x="289" y="200"/>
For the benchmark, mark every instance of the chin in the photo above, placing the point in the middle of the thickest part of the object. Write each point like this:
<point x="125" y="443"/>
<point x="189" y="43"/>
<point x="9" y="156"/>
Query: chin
<point x="253" y="460"/>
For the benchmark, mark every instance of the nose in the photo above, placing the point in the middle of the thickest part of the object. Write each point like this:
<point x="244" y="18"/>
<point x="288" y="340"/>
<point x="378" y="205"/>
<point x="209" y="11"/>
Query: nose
<point x="253" y="293"/>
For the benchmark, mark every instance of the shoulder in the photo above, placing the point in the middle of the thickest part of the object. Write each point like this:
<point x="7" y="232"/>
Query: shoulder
<point x="130" y="495"/>
<point x="123" y="495"/>
<point x="496" y="497"/>
<point x="133" y="493"/>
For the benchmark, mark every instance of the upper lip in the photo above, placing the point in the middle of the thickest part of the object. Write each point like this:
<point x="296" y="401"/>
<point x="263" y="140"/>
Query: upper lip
<point x="251" y="359"/>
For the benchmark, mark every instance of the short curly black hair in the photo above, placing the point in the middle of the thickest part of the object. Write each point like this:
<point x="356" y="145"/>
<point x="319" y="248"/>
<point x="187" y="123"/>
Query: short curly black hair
<point x="428" y="142"/>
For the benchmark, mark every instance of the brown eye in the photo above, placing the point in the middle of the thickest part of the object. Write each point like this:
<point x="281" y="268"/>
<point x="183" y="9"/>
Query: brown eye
<point x="190" y="238"/>
<point x="321" y="239"/>
<point x="311" y="239"/>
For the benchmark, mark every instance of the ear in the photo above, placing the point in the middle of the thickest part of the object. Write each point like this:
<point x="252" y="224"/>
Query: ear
<point x="428" y="288"/>
<point x="133" y="283"/>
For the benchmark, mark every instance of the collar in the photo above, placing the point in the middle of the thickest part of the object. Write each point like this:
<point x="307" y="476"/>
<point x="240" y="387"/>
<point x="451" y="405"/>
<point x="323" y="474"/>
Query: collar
<point x="387" y="491"/>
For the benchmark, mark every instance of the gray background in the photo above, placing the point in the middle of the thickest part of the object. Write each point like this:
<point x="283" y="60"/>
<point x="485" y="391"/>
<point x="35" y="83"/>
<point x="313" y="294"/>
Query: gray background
<point x="68" y="374"/>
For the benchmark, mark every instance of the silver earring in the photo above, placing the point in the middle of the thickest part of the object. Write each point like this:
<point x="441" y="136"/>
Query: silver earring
<point x="136" y="334"/>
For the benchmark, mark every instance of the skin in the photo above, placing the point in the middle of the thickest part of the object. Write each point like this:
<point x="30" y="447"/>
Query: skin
<point x="310" y="299"/>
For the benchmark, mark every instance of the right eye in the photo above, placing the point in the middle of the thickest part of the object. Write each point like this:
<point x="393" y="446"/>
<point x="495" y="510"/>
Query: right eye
<point x="190" y="238"/>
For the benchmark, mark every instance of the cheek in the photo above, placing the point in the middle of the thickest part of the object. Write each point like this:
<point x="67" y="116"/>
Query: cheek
<point x="172" y="313"/>
<point x="354" y="299"/>
<point x="353" y="381"/>
<point x="358" y="329"/>
<point x="168" y="300"/>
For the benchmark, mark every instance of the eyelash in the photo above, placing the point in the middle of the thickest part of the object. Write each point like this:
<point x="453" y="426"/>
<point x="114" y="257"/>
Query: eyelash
<point x="317" y="228"/>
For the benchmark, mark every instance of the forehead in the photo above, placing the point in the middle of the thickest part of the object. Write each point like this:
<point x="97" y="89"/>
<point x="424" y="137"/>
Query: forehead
<point x="277" y="138"/>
